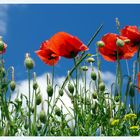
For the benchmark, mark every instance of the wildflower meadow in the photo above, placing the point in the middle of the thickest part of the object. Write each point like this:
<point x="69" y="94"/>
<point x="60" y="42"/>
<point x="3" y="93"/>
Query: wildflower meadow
<point x="94" y="111"/>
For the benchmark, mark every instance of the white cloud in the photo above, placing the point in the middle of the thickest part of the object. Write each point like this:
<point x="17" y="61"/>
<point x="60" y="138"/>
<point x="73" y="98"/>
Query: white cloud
<point x="22" y="86"/>
<point x="3" y="18"/>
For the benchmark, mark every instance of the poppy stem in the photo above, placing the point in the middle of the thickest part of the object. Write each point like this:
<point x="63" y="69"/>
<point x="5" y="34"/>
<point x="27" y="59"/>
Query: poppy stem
<point x="52" y="75"/>
<point x="29" y="115"/>
<point x="75" y="102"/>
<point x="93" y="37"/>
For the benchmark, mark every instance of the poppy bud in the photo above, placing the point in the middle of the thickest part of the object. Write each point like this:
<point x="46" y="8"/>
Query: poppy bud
<point x="102" y="86"/>
<point x="26" y="124"/>
<point x="93" y="75"/>
<point x="1" y="45"/>
<point x="84" y="68"/>
<point x="35" y="85"/>
<point x="61" y="92"/>
<point x="2" y="71"/>
<point x="12" y="85"/>
<point x="49" y="90"/>
<point x="32" y="109"/>
<point x="43" y="116"/>
<point x="94" y="95"/>
<point x="117" y="98"/>
<point x="71" y="88"/>
<point x="131" y="90"/>
<point x="57" y="111"/>
<point x="90" y="60"/>
<point x="29" y="63"/>
<point x="38" y="99"/>
<point x="120" y="43"/>
<point x="39" y="126"/>
<point x="100" y="44"/>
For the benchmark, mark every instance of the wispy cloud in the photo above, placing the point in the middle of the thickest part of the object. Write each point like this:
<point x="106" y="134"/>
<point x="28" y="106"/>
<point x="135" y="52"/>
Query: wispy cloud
<point x="3" y="18"/>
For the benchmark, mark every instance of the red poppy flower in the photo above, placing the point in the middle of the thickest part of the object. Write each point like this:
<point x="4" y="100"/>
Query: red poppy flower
<point x="132" y="32"/>
<point x="109" y="50"/>
<point x="66" y="45"/>
<point x="47" y="55"/>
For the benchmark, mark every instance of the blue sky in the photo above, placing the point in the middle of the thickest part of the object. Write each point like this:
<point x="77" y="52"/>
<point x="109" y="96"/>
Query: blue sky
<point x="26" y="26"/>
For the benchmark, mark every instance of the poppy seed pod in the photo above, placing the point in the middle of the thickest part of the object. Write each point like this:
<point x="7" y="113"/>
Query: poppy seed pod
<point x="100" y="43"/>
<point x="29" y="63"/>
<point x="93" y="75"/>
<point x="101" y="86"/>
<point x="71" y="88"/>
<point x="119" y="42"/>
<point x="43" y="116"/>
<point x="12" y="85"/>
<point x="90" y="60"/>
<point x="38" y="99"/>
<point x="61" y="93"/>
<point x="50" y="90"/>
<point x="57" y="111"/>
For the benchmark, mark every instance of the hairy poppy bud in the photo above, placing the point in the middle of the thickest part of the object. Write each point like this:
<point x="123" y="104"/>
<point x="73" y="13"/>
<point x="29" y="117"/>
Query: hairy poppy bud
<point x="39" y="126"/>
<point x="93" y="75"/>
<point x="43" y="116"/>
<point x="61" y="92"/>
<point x="38" y="99"/>
<point x="102" y="86"/>
<point x="2" y="71"/>
<point x="94" y="95"/>
<point x="29" y="63"/>
<point x="120" y="43"/>
<point x="12" y="85"/>
<point x="57" y="111"/>
<point x="26" y="124"/>
<point x="35" y="85"/>
<point x="1" y="45"/>
<point x="117" y="98"/>
<point x="71" y="88"/>
<point x="100" y="43"/>
<point x="50" y="90"/>
<point x="84" y="68"/>
<point x="32" y="109"/>
<point x="90" y="60"/>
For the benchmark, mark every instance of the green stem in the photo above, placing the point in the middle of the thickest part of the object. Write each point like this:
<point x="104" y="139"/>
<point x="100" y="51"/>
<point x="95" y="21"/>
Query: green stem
<point x="29" y="102"/>
<point x="48" y="116"/>
<point x="35" y="110"/>
<point x="75" y="101"/>
<point x="85" y="92"/>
